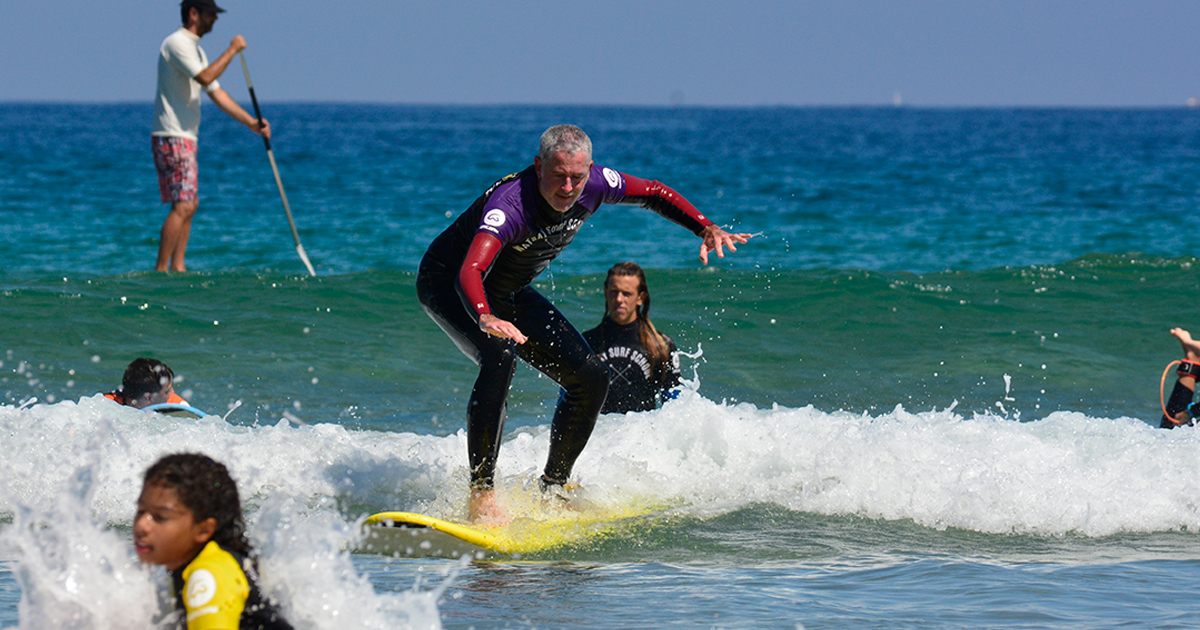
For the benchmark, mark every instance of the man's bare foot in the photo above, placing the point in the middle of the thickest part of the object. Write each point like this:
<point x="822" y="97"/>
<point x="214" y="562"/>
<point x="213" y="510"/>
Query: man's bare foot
<point x="1191" y="347"/>
<point x="485" y="509"/>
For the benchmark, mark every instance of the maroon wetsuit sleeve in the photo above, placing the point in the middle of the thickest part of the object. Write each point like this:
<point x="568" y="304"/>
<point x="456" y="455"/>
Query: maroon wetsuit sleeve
<point x="665" y="202"/>
<point x="482" y="253"/>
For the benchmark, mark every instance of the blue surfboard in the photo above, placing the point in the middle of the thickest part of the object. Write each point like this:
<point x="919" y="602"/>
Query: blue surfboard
<point x="177" y="410"/>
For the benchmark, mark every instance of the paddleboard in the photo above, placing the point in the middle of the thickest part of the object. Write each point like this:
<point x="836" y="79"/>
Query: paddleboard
<point x="420" y="535"/>
<point x="176" y="409"/>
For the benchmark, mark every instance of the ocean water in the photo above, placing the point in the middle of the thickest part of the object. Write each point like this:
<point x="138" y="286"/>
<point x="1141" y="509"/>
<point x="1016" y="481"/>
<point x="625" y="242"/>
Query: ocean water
<point x="925" y="394"/>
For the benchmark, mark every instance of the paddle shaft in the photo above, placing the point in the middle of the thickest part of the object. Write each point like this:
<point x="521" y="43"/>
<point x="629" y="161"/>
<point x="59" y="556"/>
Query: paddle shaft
<point x="275" y="169"/>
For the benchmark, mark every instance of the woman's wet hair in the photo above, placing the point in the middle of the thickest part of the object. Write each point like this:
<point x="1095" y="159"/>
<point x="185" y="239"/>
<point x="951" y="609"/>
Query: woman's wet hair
<point x="204" y="486"/>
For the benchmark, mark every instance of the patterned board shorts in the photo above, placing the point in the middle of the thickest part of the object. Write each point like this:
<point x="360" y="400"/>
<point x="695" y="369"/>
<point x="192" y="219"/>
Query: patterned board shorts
<point x="178" y="172"/>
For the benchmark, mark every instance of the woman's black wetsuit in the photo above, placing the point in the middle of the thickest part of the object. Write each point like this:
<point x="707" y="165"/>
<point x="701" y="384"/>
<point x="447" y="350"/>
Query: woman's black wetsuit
<point x="635" y="382"/>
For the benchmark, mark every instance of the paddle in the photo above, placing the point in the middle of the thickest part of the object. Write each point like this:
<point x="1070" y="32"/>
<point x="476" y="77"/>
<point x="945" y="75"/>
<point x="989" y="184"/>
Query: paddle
<point x="275" y="169"/>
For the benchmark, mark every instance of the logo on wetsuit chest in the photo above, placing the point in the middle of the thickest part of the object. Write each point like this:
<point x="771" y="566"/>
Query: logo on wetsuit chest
<point x="566" y="230"/>
<point x="631" y="358"/>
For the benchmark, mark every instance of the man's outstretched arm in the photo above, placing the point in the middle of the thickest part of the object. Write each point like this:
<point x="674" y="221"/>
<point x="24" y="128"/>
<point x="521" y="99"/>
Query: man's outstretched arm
<point x="674" y="207"/>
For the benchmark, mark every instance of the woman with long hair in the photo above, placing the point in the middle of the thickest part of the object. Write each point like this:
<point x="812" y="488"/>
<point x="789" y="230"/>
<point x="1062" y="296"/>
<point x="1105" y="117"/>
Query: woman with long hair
<point x="642" y="363"/>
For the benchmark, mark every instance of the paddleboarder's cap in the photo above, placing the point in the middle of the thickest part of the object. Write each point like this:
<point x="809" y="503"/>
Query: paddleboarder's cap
<point x="203" y="5"/>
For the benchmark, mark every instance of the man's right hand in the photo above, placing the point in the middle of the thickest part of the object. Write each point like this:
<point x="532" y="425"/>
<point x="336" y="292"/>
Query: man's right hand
<point x="493" y="325"/>
<point x="716" y="239"/>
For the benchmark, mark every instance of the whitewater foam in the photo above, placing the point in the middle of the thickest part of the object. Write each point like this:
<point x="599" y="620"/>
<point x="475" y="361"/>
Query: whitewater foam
<point x="72" y="473"/>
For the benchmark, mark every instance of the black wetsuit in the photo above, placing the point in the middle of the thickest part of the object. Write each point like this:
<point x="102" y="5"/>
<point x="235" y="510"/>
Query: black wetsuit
<point x="456" y="285"/>
<point x="634" y="383"/>
<point x="1180" y="398"/>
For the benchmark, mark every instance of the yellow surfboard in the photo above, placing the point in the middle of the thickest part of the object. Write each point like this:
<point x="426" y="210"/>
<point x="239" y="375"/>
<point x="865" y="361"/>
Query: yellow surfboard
<point x="420" y="535"/>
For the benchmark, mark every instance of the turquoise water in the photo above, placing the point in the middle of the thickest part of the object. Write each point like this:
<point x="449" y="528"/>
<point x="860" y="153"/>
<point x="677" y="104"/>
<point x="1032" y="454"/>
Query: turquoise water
<point x="924" y="395"/>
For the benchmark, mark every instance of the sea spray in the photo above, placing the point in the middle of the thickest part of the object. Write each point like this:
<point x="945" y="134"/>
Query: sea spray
<point x="72" y="502"/>
<point x="73" y="572"/>
<point x="305" y="562"/>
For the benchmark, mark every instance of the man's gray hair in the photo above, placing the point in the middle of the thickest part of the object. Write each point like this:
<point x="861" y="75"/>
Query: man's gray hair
<point x="565" y="138"/>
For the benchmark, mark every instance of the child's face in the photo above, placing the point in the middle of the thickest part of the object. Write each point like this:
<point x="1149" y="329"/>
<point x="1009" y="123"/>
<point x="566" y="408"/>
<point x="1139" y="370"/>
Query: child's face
<point x="165" y="531"/>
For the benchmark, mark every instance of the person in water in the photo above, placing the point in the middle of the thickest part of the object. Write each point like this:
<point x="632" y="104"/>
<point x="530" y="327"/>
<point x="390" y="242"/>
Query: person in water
<point x="474" y="283"/>
<point x="189" y="520"/>
<point x="146" y="382"/>
<point x="1185" y="386"/>
<point x="643" y="366"/>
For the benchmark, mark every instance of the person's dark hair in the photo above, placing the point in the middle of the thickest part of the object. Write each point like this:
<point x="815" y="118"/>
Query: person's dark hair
<point x="647" y="333"/>
<point x="204" y="487"/>
<point x="144" y="376"/>
<point x="202" y="6"/>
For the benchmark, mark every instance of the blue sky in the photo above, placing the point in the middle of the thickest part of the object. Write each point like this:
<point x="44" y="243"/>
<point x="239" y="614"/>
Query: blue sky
<point x="1103" y="53"/>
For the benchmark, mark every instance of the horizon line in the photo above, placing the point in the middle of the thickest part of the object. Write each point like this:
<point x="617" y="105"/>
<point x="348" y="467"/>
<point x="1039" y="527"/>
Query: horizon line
<point x="669" y="106"/>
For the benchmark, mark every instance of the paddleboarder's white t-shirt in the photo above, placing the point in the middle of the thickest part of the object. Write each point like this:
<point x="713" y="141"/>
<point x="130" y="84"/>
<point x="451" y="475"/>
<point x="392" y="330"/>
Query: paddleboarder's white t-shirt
<point x="177" y="103"/>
